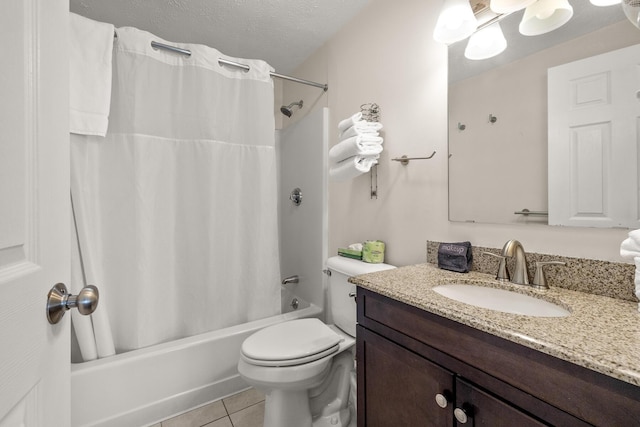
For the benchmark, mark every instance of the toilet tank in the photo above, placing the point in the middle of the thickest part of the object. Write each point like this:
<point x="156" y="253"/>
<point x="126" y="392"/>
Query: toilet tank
<point x="341" y="305"/>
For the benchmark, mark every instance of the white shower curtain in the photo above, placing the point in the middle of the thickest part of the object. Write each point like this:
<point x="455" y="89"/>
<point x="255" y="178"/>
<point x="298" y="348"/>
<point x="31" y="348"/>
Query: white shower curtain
<point x="176" y="207"/>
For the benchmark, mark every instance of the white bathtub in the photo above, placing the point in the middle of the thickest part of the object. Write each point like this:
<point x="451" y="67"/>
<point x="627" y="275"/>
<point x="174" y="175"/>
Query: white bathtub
<point x="141" y="387"/>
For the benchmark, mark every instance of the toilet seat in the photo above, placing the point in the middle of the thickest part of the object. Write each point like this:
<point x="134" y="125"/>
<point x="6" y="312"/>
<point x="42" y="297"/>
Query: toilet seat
<point x="291" y="362"/>
<point x="291" y="343"/>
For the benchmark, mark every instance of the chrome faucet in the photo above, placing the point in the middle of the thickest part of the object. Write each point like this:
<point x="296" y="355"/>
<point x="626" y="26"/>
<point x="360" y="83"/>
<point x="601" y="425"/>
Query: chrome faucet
<point x="520" y="273"/>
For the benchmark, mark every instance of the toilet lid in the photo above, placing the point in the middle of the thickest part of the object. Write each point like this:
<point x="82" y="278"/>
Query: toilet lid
<point x="290" y="343"/>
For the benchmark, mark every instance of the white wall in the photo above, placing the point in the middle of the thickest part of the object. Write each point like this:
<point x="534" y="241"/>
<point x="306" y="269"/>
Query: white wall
<point x="303" y="240"/>
<point x="387" y="55"/>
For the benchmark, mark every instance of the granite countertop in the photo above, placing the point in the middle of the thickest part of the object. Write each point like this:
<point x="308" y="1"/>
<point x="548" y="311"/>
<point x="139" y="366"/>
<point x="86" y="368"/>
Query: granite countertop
<point x="601" y="334"/>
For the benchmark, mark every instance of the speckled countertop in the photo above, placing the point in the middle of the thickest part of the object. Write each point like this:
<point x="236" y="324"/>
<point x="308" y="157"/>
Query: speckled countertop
<point x="602" y="333"/>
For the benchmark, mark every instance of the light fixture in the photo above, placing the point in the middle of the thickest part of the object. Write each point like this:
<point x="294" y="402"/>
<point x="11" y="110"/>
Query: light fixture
<point x="486" y="43"/>
<point x="456" y="22"/>
<point x="509" y="6"/>
<point x="544" y="16"/>
<point x="604" y="2"/>
<point x="632" y="11"/>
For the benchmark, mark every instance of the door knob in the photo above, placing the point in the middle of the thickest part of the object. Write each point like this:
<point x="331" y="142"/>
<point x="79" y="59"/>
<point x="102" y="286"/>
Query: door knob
<point x="59" y="301"/>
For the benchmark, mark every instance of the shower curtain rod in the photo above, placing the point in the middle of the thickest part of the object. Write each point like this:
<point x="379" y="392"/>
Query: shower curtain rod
<point x="187" y="52"/>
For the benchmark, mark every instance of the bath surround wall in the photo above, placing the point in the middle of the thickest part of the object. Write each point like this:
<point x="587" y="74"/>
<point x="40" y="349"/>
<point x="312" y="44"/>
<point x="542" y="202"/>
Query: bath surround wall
<point x="387" y="55"/>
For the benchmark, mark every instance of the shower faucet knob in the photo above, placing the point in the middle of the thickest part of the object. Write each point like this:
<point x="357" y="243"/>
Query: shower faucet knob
<point x="296" y="197"/>
<point x="59" y="301"/>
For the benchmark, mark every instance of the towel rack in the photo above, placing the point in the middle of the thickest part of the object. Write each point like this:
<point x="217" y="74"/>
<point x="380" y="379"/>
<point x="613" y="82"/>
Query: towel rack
<point x="404" y="160"/>
<point x="527" y="212"/>
<point x="371" y="113"/>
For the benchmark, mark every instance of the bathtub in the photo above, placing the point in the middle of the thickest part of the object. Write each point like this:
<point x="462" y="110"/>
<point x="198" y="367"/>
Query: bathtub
<point x="142" y="387"/>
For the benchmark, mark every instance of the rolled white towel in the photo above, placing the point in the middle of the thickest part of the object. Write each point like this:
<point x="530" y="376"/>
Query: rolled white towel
<point x="635" y="237"/>
<point x="363" y="145"/>
<point x="629" y="249"/>
<point x="352" y="167"/>
<point x="630" y="245"/>
<point x="348" y="122"/>
<point x="636" y="260"/>
<point x="361" y="128"/>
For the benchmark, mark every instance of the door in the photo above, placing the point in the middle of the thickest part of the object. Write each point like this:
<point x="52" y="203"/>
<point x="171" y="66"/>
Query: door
<point x="399" y="387"/>
<point x="34" y="219"/>
<point x="594" y="112"/>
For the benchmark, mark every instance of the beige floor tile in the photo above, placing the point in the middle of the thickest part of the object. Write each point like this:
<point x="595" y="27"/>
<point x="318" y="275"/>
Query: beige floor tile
<point x="198" y="417"/>
<point x="239" y="401"/>
<point x="252" y="416"/>
<point x="157" y="425"/>
<point x="222" y="422"/>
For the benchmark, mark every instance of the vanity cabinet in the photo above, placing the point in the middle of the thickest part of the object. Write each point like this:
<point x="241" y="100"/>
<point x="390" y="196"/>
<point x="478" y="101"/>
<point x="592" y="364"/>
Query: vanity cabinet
<point x="404" y="389"/>
<point x="417" y="369"/>
<point x="401" y="386"/>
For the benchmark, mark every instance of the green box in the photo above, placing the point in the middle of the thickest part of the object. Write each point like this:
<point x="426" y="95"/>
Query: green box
<point x="373" y="251"/>
<point x="350" y="253"/>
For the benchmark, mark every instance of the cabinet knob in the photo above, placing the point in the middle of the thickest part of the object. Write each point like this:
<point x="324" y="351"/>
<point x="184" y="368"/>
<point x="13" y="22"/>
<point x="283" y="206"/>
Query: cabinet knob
<point x="461" y="415"/>
<point x="442" y="400"/>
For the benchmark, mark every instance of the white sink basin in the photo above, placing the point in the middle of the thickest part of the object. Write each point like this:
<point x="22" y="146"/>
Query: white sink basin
<point x="501" y="300"/>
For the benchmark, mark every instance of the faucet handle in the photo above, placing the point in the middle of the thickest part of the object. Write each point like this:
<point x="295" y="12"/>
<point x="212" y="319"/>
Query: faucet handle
<point x="539" y="280"/>
<point x="503" y="273"/>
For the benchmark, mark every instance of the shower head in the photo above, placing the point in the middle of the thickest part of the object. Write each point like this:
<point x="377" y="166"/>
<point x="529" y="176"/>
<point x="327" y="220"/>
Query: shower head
<point x="288" y="110"/>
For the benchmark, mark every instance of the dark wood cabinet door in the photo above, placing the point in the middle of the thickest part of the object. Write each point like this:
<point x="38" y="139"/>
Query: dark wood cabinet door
<point x="486" y="410"/>
<point x="399" y="387"/>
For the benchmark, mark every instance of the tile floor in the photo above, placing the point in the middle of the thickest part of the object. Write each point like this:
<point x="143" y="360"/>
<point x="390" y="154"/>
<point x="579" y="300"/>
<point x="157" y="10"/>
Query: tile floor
<point x="245" y="409"/>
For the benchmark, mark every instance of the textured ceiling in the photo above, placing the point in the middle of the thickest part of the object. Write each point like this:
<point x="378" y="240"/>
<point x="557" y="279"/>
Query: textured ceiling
<point x="282" y="32"/>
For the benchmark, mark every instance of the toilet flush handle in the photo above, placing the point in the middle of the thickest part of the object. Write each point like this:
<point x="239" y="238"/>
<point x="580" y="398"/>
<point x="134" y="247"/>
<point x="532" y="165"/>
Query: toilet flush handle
<point x="353" y="295"/>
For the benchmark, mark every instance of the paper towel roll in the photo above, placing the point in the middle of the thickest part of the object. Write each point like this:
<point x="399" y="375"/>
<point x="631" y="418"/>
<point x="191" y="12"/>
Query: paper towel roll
<point x="373" y="251"/>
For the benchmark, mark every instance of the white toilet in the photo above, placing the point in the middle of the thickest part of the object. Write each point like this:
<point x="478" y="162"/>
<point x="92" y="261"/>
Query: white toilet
<point x="301" y="365"/>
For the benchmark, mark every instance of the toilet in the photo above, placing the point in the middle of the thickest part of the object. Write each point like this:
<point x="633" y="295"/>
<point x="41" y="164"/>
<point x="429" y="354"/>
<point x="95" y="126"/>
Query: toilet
<point x="305" y="367"/>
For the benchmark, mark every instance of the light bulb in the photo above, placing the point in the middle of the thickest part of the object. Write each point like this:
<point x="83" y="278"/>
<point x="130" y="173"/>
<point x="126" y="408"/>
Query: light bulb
<point x="509" y="6"/>
<point x="455" y="22"/>
<point x="544" y="16"/>
<point x="631" y="9"/>
<point x="486" y="43"/>
<point x="545" y="13"/>
<point x="604" y="2"/>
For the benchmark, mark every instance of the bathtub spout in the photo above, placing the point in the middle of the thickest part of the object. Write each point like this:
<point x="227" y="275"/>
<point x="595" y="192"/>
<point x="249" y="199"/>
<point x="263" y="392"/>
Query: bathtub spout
<point x="290" y="279"/>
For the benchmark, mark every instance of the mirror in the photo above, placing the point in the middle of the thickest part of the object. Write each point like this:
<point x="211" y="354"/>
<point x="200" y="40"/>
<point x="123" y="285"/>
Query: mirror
<point x="498" y="114"/>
